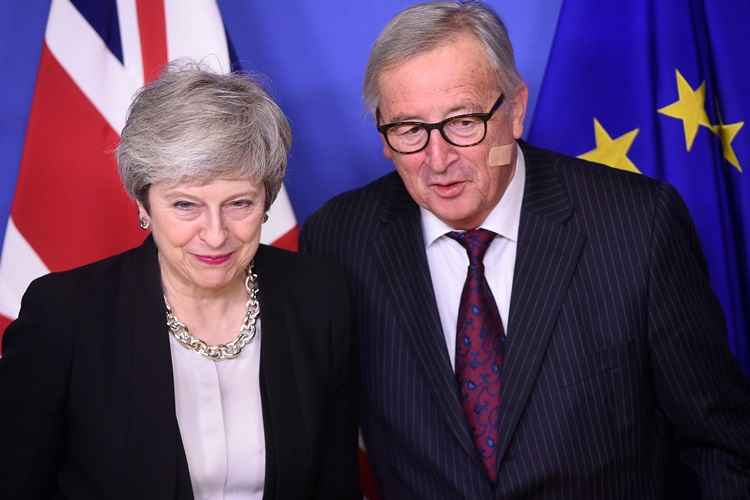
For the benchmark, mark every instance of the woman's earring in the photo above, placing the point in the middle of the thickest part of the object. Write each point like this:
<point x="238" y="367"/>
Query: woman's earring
<point x="265" y="217"/>
<point x="144" y="223"/>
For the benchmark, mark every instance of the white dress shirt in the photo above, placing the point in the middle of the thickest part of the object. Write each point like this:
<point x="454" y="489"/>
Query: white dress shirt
<point x="448" y="261"/>
<point x="220" y="416"/>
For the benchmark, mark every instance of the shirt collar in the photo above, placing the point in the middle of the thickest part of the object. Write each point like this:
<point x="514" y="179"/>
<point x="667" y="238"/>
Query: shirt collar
<point x="503" y="219"/>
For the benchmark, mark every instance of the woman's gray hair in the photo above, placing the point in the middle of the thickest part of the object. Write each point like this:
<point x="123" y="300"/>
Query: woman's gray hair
<point x="195" y="125"/>
<point x="426" y="26"/>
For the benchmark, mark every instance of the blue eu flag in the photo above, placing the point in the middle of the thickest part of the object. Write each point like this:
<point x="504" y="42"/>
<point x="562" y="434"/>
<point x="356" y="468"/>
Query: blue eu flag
<point x="663" y="89"/>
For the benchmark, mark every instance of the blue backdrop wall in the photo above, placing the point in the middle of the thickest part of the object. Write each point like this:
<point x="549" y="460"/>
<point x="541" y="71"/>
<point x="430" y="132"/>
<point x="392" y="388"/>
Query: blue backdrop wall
<point x="313" y="54"/>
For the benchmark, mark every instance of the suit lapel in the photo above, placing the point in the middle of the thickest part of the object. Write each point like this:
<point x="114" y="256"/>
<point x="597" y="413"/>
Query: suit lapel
<point x="403" y="265"/>
<point x="146" y="379"/>
<point x="547" y="255"/>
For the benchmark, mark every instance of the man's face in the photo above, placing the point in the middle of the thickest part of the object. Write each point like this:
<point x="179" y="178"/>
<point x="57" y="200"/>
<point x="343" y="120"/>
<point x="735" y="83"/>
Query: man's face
<point x="454" y="183"/>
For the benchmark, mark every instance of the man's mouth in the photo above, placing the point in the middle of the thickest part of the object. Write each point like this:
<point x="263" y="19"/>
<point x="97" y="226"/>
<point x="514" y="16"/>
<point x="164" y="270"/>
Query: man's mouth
<point x="448" y="189"/>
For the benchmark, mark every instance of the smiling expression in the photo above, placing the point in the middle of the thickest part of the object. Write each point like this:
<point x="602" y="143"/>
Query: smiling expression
<point x="454" y="183"/>
<point x="207" y="233"/>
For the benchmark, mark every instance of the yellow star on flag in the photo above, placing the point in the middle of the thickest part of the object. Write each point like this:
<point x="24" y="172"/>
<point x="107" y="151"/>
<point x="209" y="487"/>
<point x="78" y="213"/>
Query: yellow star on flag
<point x="727" y="133"/>
<point x="690" y="108"/>
<point x="612" y="152"/>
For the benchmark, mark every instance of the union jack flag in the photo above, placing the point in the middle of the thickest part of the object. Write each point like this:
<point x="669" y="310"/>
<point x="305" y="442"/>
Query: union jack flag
<point x="69" y="207"/>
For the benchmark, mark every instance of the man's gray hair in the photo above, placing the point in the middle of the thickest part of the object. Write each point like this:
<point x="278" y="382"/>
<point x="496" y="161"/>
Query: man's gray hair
<point x="426" y="26"/>
<point x="195" y="125"/>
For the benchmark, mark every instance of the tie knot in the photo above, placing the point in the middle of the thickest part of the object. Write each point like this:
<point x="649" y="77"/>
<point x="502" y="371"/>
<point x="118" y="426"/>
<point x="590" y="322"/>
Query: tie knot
<point x="476" y="242"/>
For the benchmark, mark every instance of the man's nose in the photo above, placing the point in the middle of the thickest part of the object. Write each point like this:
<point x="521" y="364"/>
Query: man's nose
<point x="439" y="152"/>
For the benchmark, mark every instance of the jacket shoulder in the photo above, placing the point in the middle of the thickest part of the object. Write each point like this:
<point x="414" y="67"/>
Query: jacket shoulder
<point x="350" y="216"/>
<point x="363" y="201"/>
<point x="54" y="302"/>
<point x="592" y="187"/>
<point x="87" y="280"/>
<point x="574" y="169"/>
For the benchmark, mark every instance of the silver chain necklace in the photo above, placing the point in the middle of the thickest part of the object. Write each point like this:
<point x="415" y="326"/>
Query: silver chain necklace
<point x="222" y="351"/>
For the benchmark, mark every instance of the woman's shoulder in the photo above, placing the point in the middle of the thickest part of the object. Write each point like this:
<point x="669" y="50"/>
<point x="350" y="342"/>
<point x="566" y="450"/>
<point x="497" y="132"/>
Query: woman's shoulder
<point x="92" y="279"/>
<point x="60" y="303"/>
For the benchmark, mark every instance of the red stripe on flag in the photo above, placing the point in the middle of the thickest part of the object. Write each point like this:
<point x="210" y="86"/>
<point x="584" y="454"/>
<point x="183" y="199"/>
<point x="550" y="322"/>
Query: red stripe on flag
<point x="4" y="322"/>
<point x="288" y="241"/>
<point x="153" y="27"/>
<point x="69" y="202"/>
<point x="366" y="478"/>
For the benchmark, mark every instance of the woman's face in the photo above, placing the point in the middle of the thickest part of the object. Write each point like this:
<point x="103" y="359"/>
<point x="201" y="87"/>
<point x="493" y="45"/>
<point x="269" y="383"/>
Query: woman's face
<point x="206" y="233"/>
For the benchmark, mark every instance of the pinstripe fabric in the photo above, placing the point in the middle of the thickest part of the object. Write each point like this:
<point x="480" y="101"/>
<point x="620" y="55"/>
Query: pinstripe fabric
<point x="617" y="361"/>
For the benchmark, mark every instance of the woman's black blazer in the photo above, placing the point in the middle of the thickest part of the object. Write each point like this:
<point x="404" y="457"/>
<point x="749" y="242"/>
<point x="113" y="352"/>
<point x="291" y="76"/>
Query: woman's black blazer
<point x="87" y="397"/>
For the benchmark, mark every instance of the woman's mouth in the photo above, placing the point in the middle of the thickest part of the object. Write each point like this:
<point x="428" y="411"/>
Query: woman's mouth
<point x="213" y="259"/>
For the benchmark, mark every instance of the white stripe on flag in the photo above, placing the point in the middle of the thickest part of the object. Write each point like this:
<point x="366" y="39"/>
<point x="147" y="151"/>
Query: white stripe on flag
<point x="195" y="30"/>
<point x="130" y="40"/>
<point x="19" y="266"/>
<point x="85" y="57"/>
<point x="281" y="219"/>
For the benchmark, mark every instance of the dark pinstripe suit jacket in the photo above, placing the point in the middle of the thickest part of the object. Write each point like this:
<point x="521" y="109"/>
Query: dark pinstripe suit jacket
<point x="617" y="363"/>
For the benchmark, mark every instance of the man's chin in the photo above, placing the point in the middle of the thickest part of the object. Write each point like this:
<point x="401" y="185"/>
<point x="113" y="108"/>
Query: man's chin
<point x="457" y="216"/>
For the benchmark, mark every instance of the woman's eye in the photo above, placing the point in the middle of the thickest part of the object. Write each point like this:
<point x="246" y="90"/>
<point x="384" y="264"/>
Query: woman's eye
<point x="183" y="205"/>
<point x="240" y="203"/>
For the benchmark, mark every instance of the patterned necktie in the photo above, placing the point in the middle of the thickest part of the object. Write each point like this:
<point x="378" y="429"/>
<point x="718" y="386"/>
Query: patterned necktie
<point x="479" y="350"/>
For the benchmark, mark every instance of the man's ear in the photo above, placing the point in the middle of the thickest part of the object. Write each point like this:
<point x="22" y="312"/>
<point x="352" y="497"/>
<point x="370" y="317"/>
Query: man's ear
<point x="518" y="111"/>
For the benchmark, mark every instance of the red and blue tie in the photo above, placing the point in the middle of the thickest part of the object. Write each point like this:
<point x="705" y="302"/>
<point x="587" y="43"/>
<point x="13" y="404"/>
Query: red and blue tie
<point x="480" y="350"/>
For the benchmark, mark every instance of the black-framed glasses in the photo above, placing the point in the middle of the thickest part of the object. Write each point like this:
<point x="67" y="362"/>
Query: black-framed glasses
<point x="461" y="130"/>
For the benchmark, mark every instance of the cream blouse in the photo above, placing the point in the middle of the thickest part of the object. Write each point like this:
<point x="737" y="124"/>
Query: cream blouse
<point x="220" y="417"/>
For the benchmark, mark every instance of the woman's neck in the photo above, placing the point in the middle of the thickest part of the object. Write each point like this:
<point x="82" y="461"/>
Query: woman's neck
<point x="214" y="316"/>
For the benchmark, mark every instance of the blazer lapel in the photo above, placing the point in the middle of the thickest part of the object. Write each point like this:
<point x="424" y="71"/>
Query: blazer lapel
<point x="279" y="384"/>
<point x="145" y="380"/>
<point x="403" y="264"/>
<point x="547" y="255"/>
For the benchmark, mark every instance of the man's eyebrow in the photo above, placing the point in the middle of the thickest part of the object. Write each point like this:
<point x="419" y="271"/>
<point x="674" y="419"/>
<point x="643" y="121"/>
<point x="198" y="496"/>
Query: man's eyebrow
<point x="403" y="117"/>
<point x="463" y="108"/>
